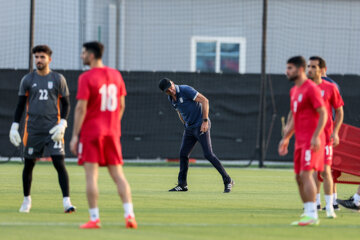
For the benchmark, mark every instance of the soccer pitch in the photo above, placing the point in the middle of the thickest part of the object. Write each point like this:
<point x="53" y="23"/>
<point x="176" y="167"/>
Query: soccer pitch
<point x="261" y="206"/>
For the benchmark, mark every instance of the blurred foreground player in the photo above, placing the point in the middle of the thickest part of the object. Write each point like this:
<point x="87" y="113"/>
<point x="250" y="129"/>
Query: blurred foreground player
<point x="100" y="107"/>
<point x="332" y="100"/>
<point x="41" y="92"/>
<point x="307" y="122"/>
<point x="193" y="110"/>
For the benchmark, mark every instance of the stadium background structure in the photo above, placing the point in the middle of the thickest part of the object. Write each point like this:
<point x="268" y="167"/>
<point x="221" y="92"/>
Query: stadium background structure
<point x="151" y="128"/>
<point x="145" y="45"/>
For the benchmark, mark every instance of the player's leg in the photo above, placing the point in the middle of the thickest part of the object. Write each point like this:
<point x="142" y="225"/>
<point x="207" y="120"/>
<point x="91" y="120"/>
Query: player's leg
<point x="187" y="145"/>
<point x="309" y="193"/>
<point x="27" y="179"/>
<point x="305" y="161"/>
<point x="34" y="147"/>
<point x="124" y="191"/>
<point x="328" y="181"/>
<point x="123" y="188"/>
<point x="328" y="185"/>
<point x="297" y="159"/>
<point x="300" y="187"/>
<point x="112" y="158"/>
<point x="92" y="193"/>
<point x="205" y="141"/>
<point x="57" y="153"/>
<point x="318" y="188"/>
<point x="310" y="161"/>
<point x="357" y="197"/>
<point x="336" y="205"/>
<point x="59" y="164"/>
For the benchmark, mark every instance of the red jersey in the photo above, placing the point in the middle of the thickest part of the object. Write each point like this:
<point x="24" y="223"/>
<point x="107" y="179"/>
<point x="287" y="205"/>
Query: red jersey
<point x="304" y="102"/>
<point x="102" y="88"/>
<point x="332" y="99"/>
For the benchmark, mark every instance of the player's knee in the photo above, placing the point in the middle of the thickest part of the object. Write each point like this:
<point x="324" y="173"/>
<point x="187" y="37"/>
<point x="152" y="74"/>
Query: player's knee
<point x="29" y="165"/>
<point x="306" y="176"/>
<point x="209" y="156"/>
<point x="326" y="174"/>
<point x="59" y="166"/>
<point x="58" y="162"/>
<point x="184" y="155"/>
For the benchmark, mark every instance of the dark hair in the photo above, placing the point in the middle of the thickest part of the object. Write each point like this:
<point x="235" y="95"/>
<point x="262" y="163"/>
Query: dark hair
<point x="322" y="63"/>
<point x="298" y="61"/>
<point x="164" y="84"/>
<point x="42" y="48"/>
<point x="97" y="48"/>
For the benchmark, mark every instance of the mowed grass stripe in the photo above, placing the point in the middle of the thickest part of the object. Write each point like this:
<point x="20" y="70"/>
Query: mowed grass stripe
<point x="262" y="205"/>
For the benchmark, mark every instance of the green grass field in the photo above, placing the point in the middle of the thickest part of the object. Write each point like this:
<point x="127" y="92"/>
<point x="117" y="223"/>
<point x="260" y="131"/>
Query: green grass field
<point x="261" y="206"/>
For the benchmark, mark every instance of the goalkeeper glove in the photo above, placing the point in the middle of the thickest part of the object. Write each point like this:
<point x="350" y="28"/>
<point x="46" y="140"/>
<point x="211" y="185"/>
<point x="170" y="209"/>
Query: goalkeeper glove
<point x="58" y="131"/>
<point x="14" y="134"/>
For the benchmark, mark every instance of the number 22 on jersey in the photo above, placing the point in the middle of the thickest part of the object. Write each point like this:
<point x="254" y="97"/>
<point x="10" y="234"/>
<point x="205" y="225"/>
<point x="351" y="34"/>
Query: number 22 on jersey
<point x="43" y="94"/>
<point x="109" y="101"/>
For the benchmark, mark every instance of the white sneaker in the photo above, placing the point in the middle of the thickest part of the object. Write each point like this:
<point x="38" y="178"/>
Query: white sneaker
<point x="69" y="209"/>
<point x="330" y="213"/>
<point x="25" y="207"/>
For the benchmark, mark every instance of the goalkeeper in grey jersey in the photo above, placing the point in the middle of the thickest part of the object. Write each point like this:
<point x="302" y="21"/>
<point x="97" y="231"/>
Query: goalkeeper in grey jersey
<point x="42" y="92"/>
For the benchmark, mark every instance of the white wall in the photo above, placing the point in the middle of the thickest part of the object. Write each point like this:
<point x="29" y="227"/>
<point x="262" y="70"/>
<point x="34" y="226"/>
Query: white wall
<point x="14" y="33"/>
<point x="157" y="33"/>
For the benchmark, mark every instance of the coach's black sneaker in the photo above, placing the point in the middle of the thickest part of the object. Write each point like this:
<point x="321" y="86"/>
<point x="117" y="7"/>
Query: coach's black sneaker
<point x="179" y="188"/>
<point x="349" y="204"/>
<point x="228" y="186"/>
<point x="350" y="198"/>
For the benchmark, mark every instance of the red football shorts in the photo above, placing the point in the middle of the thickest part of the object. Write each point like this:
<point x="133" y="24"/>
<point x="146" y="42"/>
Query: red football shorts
<point x="306" y="159"/>
<point x="104" y="150"/>
<point x="328" y="154"/>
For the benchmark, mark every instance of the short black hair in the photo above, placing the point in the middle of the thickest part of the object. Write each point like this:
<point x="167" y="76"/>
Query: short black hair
<point x="42" y="48"/>
<point x="322" y="63"/>
<point x="97" y="48"/>
<point x="298" y="61"/>
<point x="164" y="84"/>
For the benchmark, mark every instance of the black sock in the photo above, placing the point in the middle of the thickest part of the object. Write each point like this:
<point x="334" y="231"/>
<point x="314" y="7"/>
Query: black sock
<point x="59" y="164"/>
<point x="27" y="175"/>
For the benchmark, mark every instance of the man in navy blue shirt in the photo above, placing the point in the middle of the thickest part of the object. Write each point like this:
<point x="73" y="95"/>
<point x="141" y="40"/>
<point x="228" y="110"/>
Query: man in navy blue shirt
<point x="193" y="110"/>
<point x="326" y="78"/>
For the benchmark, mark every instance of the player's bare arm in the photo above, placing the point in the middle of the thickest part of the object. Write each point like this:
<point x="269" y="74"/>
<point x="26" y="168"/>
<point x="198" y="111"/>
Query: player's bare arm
<point x="205" y="111"/>
<point x="289" y="126"/>
<point x="180" y="117"/>
<point x="315" y="140"/>
<point x="80" y="112"/>
<point x="122" y="104"/>
<point x="288" y="132"/>
<point x="339" y="117"/>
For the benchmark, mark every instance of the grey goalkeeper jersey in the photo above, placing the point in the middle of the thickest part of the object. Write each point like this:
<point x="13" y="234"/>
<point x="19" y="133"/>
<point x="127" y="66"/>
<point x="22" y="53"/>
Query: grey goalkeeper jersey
<point x="43" y="105"/>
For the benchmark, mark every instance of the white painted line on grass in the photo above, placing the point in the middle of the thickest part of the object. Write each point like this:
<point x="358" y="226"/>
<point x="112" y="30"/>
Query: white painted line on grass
<point x="162" y="160"/>
<point x="155" y="224"/>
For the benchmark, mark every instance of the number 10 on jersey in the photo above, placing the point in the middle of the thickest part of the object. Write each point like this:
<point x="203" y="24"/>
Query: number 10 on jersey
<point x="109" y="101"/>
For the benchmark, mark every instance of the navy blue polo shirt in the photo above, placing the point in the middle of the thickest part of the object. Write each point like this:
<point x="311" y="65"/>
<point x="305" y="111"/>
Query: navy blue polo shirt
<point x="332" y="81"/>
<point x="190" y="111"/>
